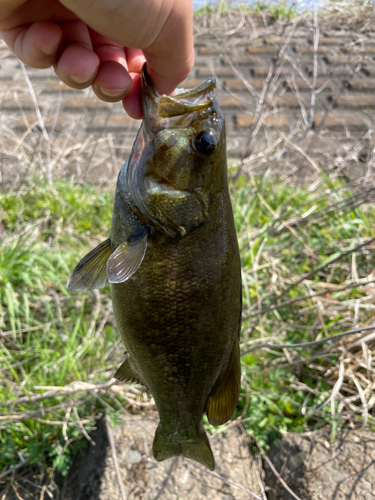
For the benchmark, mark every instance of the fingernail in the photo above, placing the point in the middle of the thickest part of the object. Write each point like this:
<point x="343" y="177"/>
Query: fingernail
<point x="81" y="79"/>
<point x="112" y="92"/>
<point x="49" y="51"/>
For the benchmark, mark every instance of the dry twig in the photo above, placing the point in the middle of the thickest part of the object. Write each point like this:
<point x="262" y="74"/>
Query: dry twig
<point x="114" y="457"/>
<point x="278" y="477"/>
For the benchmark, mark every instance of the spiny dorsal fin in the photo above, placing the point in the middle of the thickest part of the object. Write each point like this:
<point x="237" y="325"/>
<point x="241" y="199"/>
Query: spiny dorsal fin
<point x="126" y="259"/>
<point x="223" y="399"/>
<point x="126" y="373"/>
<point x="91" y="272"/>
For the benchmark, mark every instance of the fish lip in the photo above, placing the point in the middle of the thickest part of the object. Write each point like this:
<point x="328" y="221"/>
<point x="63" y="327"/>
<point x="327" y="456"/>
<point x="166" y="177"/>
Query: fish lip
<point x="183" y="102"/>
<point x="208" y="86"/>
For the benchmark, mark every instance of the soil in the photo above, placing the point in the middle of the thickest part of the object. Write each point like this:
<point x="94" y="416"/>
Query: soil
<point x="312" y="467"/>
<point x="315" y="469"/>
<point x="146" y="479"/>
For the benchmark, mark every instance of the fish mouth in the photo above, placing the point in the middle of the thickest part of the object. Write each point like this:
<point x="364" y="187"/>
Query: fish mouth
<point x="183" y="102"/>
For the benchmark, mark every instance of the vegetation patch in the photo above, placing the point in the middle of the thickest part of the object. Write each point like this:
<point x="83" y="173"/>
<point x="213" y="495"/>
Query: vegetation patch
<point x="307" y="269"/>
<point x="308" y="277"/>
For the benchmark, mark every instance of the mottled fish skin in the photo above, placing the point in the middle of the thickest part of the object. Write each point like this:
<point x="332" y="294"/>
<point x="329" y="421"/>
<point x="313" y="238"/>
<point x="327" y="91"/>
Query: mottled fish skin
<point x="179" y="313"/>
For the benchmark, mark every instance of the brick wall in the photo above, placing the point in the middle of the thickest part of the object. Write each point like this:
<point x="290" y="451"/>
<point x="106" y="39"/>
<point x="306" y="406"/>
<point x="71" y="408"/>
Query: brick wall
<point x="279" y="95"/>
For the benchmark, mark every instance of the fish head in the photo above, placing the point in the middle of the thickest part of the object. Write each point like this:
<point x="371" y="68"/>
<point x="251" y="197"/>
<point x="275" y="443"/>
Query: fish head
<point x="178" y="161"/>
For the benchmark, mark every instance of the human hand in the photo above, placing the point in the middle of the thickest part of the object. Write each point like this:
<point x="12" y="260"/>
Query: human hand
<point x="103" y="43"/>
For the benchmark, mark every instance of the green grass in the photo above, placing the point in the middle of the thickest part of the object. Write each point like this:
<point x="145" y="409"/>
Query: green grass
<point x="284" y="10"/>
<point x="48" y="336"/>
<point x="281" y="11"/>
<point x="51" y="338"/>
<point x="221" y="8"/>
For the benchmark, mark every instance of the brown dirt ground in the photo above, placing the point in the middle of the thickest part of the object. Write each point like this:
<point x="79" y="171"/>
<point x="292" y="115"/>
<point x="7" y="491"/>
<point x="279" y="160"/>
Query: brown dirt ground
<point x="311" y="466"/>
<point x="317" y="470"/>
<point x="146" y="479"/>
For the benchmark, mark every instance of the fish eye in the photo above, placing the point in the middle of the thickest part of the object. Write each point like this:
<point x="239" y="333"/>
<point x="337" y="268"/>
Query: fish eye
<point x="205" y="143"/>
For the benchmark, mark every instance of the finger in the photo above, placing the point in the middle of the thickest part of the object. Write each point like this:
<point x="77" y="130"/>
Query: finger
<point x="170" y="58"/>
<point x="133" y="101"/>
<point x="162" y="29"/>
<point x="167" y="76"/>
<point x="7" y="7"/>
<point x="112" y="81"/>
<point x="78" y="64"/>
<point x="135" y="59"/>
<point x="36" y="45"/>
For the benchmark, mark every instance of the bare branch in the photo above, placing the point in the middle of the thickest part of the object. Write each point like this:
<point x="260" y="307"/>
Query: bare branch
<point x="114" y="457"/>
<point x="329" y="262"/>
<point x="308" y="344"/>
<point x="57" y="392"/>
<point x="307" y="297"/>
<point x="223" y="479"/>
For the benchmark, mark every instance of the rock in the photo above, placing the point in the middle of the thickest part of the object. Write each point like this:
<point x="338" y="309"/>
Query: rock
<point x="133" y="457"/>
<point x="366" y="486"/>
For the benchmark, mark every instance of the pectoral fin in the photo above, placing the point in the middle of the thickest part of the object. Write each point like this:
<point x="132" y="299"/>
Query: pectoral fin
<point x="223" y="399"/>
<point x="91" y="272"/>
<point x="126" y="259"/>
<point x="126" y="372"/>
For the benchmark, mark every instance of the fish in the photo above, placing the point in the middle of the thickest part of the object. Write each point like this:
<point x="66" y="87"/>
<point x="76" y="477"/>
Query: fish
<point x="173" y="263"/>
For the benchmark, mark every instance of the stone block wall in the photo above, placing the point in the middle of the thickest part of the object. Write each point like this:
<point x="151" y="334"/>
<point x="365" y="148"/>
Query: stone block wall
<point x="283" y="89"/>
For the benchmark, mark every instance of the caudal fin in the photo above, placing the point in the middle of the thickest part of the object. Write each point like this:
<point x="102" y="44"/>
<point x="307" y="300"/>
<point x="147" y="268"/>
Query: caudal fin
<point x="197" y="448"/>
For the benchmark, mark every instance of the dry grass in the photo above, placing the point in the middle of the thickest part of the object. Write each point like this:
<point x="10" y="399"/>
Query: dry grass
<point x="303" y="147"/>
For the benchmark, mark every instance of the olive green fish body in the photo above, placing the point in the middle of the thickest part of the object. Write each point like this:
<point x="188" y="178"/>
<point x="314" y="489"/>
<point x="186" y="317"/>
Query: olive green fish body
<point x="179" y="318"/>
<point x="173" y="261"/>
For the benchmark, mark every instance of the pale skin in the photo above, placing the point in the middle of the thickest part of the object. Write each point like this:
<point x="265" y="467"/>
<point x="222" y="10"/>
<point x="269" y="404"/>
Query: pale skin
<point x="103" y="43"/>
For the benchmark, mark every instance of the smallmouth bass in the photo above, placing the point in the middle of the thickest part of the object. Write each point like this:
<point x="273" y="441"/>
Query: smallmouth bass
<point x="173" y="262"/>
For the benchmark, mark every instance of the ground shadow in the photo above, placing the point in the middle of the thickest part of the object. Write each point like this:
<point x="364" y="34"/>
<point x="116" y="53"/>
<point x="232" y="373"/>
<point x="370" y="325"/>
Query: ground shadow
<point x="85" y="475"/>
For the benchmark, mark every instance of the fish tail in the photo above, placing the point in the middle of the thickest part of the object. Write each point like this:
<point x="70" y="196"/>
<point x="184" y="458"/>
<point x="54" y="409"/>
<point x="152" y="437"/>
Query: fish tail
<point x="197" y="448"/>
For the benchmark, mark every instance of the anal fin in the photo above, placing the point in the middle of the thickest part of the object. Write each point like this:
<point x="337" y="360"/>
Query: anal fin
<point x="91" y="273"/>
<point x="126" y="373"/>
<point x="223" y="399"/>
